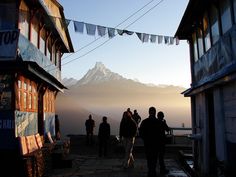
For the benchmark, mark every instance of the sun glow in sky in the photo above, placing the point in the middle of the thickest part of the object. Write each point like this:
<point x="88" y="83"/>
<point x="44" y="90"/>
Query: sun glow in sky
<point x="127" y="55"/>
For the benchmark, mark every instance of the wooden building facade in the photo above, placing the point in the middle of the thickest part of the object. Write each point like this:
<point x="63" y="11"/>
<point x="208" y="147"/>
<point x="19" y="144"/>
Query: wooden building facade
<point x="210" y="28"/>
<point x="33" y="38"/>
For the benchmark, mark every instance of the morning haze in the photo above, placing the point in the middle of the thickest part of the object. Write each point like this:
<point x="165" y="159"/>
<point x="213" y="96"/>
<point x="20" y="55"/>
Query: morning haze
<point x="102" y="92"/>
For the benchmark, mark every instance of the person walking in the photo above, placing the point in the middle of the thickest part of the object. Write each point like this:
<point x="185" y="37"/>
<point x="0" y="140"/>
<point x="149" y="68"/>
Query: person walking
<point x="57" y="128"/>
<point x="136" y="117"/>
<point x="128" y="131"/>
<point x="149" y="131"/>
<point x="103" y="136"/>
<point x="89" y="124"/>
<point x="164" y="128"/>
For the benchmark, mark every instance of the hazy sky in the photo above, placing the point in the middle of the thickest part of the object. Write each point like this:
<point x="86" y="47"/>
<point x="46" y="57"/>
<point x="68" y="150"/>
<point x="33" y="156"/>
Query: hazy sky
<point x="127" y="55"/>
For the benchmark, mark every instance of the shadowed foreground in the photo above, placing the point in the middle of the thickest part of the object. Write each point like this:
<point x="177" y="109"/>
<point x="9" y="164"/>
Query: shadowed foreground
<point x="86" y="162"/>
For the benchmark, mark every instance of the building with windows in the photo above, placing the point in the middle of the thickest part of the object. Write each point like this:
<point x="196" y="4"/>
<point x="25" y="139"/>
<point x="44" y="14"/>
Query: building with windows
<point x="210" y="28"/>
<point x="33" y="38"/>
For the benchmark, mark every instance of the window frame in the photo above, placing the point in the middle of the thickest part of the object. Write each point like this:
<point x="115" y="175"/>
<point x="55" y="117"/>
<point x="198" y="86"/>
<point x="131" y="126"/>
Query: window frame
<point x="24" y="15"/>
<point x="27" y="95"/>
<point x="42" y="40"/>
<point x="224" y="27"/>
<point x="214" y="36"/>
<point x="206" y="31"/>
<point x="49" y="101"/>
<point x="195" y="47"/>
<point x="34" y="32"/>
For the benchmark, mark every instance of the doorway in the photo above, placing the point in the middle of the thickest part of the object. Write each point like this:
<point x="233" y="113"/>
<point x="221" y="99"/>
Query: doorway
<point x="211" y="132"/>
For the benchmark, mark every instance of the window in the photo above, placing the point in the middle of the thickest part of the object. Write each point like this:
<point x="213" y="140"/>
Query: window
<point x="226" y="20"/>
<point x="45" y="101"/>
<point x="35" y="100"/>
<point x="53" y="54"/>
<point x="35" y="32"/>
<point x="214" y="24"/>
<point x="24" y="20"/>
<point x="195" y="51"/>
<point x="206" y="32"/>
<point x="200" y="42"/>
<point x="20" y="93"/>
<point x="27" y="95"/>
<point x="30" y="96"/>
<point x="49" y="101"/>
<point x="7" y="17"/>
<point x="58" y="59"/>
<point x="49" y="48"/>
<point x="42" y="41"/>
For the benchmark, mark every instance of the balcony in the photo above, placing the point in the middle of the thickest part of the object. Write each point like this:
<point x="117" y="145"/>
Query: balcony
<point x="218" y="61"/>
<point x="29" y="52"/>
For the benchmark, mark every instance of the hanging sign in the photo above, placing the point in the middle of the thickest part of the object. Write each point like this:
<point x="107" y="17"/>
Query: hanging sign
<point x="8" y="44"/>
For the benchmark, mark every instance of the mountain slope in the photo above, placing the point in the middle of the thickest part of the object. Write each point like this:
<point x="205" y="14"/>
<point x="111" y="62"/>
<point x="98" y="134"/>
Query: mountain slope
<point x="99" y="74"/>
<point x="102" y="92"/>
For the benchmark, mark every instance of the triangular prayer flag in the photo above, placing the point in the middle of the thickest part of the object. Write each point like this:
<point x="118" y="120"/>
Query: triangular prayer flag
<point x="177" y="41"/>
<point x="153" y="38"/>
<point x="64" y="22"/>
<point x="91" y="29"/>
<point x="101" y="30"/>
<point x="140" y="36"/>
<point x="145" y="37"/>
<point x="171" y="40"/>
<point x="79" y="26"/>
<point x="111" y="32"/>
<point x="128" y="32"/>
<point x="120" y="32"/>
<point x="166" y="39"/>
<point x="67" y="22"/>
<point x="160" y="39"/>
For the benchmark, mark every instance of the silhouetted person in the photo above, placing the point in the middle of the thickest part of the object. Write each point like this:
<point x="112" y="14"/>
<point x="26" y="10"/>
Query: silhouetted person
<point x="128" y="131"/>
<point x="164" y="128"/>
<point x="103" y="136"/>
<point x="89" y="124"/>
<point x="149" y="131"/>
<point x="128" y="110"/>
<point x="136" y="117"/>
<point x="57" y="128"/>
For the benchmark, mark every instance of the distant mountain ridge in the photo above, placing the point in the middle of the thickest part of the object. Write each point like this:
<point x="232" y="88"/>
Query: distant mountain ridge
<point x="69" y="81"/>
<point x="100" y="74"/>
<point x="102" y="92"/>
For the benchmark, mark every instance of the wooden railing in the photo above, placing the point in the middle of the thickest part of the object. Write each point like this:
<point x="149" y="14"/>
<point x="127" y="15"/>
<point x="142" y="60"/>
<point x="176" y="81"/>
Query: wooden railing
<point x="179" y="135"/>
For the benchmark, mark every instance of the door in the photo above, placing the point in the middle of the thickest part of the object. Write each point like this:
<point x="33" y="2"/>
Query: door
<point x="211" y="134"/>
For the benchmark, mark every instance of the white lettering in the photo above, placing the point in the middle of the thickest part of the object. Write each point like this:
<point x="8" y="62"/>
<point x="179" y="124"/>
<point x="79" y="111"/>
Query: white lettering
<point x="8" y="43"/>
<point x="6" y="124"/>
<point x="8" y="37"/>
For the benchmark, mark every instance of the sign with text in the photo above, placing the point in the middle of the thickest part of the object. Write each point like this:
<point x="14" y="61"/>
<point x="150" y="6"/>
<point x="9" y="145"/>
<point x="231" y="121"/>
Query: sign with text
<point x="8" y="44"/>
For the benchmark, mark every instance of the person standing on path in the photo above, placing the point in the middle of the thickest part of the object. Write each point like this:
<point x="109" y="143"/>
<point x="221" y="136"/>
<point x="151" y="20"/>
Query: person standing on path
<point x="89" y="124"/>
<point x="150" y="132"/>
<point x="164" y="128"/>
<point x="128" y="131"/>
<point x="103" y="136"/>
<point x="136" y="117"/>
<point x="57" y="128"/>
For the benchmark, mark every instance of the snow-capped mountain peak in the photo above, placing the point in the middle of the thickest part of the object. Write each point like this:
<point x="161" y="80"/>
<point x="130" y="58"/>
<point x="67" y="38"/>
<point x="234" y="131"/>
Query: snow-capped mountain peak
<point x="99" y="74"/>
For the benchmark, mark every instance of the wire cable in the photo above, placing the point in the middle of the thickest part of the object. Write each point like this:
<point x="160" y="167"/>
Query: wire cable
<point x="114" y="36"/>
<point x="100" y="37"/>
<point x="107" y="32"/>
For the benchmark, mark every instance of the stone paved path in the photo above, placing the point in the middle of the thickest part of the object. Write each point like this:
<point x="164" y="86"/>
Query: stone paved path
<point x="92" y="166"/>
<point x="86" y="163"/>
